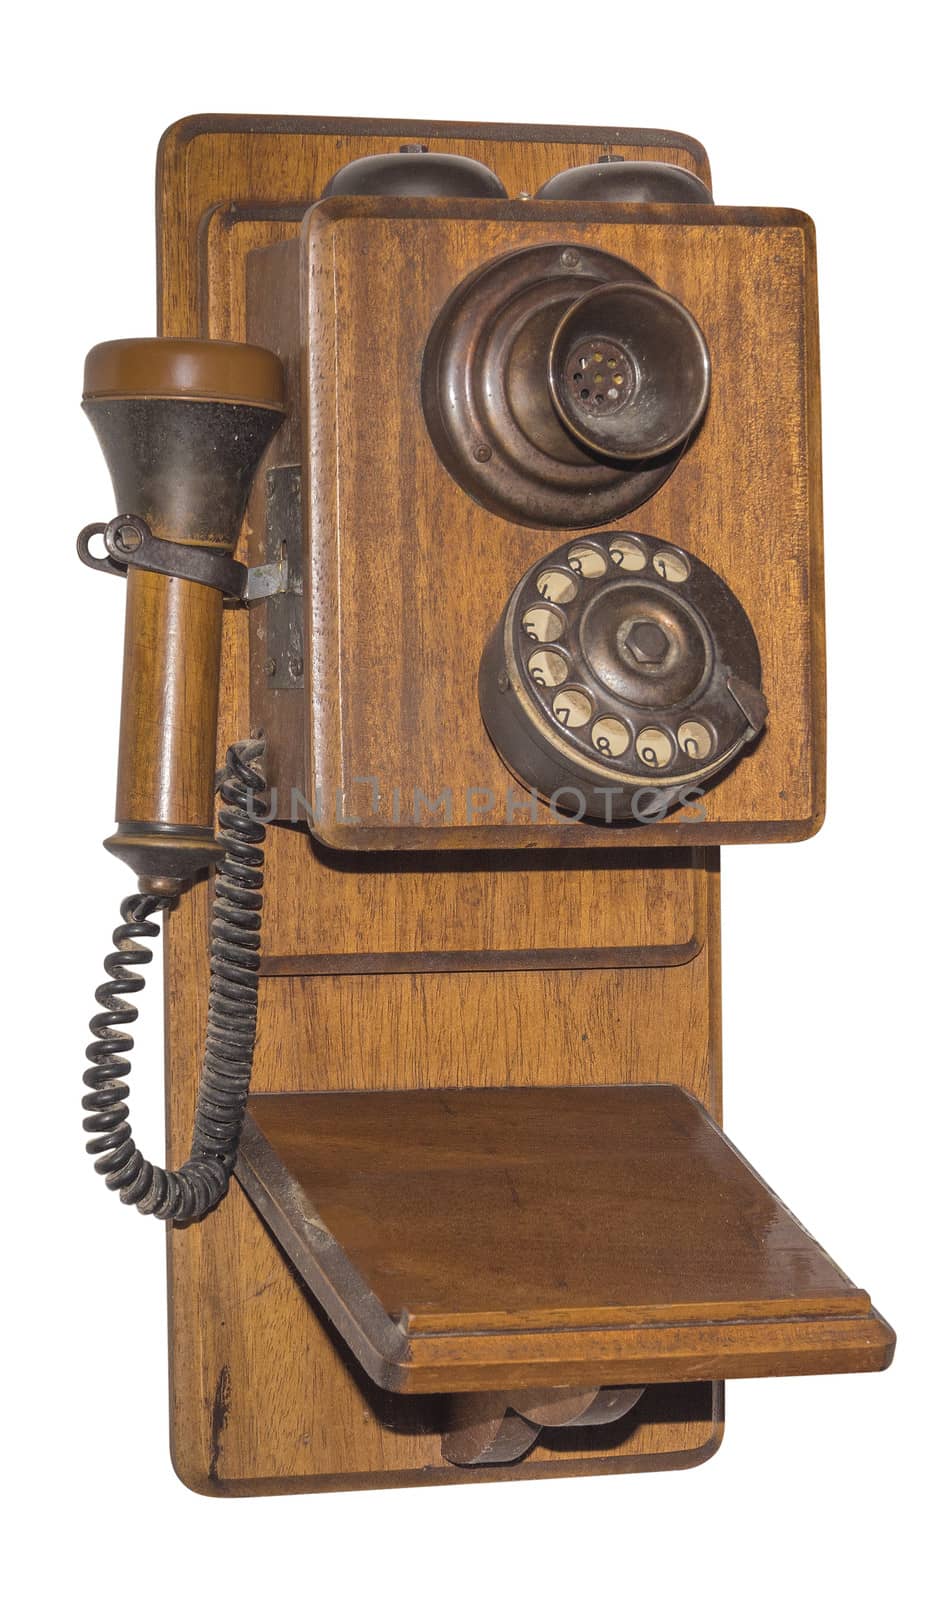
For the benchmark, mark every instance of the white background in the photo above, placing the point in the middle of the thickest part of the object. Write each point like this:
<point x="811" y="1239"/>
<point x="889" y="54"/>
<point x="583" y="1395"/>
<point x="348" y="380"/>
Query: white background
<point x="832" y="948"/>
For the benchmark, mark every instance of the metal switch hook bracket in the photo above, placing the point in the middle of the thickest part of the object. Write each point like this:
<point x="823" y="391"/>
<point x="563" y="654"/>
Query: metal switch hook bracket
<point x="129" y="542"/>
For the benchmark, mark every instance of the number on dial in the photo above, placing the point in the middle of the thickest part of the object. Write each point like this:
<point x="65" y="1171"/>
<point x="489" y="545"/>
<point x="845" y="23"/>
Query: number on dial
<point x="547" y="668"/>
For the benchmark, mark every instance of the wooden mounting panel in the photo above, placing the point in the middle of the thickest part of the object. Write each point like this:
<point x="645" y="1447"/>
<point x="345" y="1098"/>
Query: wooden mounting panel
<point x="503" y="1238"/>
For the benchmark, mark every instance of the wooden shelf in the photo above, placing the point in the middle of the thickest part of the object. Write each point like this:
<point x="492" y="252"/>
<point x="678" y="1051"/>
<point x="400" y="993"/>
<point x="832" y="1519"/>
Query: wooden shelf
<point x="502" y="1238"/>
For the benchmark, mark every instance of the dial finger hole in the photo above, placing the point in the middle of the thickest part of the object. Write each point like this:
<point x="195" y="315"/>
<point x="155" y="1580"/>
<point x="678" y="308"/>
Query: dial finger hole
<point x="542" y="625"/>
<point x="629" y="555"/>
<point x="547" y="668"/>
<point x="587" y="560"/>
<point x="557" y="586"/>
<point x="672" y="565"/>
<point x="572" y="708"/>
<point x="695" y="740"/>
<point x="654" y="747"/>
<point x="610" y="737"/>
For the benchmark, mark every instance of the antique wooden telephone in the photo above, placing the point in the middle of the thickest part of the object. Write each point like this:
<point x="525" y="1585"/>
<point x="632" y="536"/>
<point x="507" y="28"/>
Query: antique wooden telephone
<point x="515" y="434"/>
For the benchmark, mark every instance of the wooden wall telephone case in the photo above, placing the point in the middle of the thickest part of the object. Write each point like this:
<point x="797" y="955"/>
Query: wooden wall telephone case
<point x="515" y="435"/>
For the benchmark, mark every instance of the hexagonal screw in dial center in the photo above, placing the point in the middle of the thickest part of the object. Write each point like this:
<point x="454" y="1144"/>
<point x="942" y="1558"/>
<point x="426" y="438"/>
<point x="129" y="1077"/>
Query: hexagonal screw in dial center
<point x="647" y="642"/>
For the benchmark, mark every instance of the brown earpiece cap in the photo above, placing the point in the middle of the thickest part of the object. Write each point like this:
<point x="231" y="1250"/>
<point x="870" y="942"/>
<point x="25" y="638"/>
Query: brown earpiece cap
<point x="190" y="369"/>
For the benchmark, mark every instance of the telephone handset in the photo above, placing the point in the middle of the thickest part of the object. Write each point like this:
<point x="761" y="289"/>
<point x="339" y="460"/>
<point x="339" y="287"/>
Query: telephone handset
<point x="183" y="425"/>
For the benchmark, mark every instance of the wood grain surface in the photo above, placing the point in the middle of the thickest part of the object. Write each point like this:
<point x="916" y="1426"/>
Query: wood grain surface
<point x="168" y="719"/>
<point x="409" y="912"/>
<point x="402" y="707"/>
<point x="485" y="1239"/>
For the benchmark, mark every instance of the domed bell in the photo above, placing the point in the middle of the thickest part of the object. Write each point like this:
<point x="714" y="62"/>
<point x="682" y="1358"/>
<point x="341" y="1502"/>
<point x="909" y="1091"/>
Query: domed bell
<point x="615" y="181"/>
<point x="413" y="170"/>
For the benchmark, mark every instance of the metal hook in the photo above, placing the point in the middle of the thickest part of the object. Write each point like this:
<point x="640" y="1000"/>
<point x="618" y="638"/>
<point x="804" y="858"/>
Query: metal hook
<point x="106" y="563"/>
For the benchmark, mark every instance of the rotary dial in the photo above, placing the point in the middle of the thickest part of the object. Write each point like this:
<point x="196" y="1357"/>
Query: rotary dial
<point x="623" y="671"/>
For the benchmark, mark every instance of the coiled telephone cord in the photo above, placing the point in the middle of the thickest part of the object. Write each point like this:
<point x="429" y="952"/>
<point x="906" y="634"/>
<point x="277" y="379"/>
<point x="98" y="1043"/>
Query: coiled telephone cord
<point x="197" y="1186"/>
